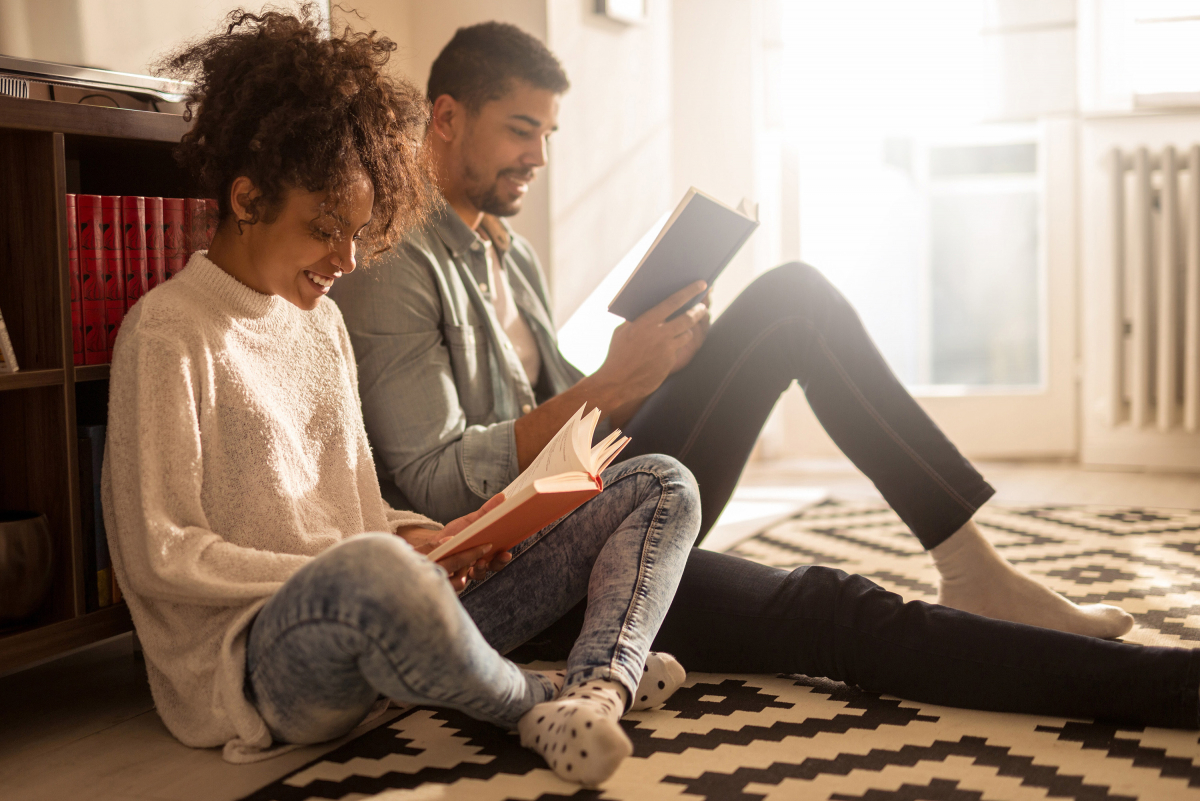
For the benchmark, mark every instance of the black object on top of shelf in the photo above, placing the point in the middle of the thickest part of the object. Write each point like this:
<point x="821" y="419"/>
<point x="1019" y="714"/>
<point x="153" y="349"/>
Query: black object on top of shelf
<point x="144" y="86"/>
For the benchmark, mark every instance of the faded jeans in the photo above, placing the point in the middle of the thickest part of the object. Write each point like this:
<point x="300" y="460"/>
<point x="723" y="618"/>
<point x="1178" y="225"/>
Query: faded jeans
<point x="371" y="617"/>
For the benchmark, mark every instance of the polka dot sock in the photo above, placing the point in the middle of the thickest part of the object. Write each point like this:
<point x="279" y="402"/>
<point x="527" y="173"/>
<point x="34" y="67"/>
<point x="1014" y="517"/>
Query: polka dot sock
<point x="661" y="678"/>
<point x="578" y="734"/>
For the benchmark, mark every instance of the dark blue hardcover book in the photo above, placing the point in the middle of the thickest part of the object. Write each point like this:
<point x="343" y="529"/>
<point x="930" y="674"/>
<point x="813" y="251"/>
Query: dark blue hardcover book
<point x="91" y="457"/>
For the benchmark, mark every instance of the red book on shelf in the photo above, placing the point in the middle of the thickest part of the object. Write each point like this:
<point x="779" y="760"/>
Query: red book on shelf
<point x="92" y="260"/>
<point x="114" y="269"/>
<point x="174" y="236"/>
<point x="211" y="220"/>
<point x="155" y="255"/>
<point x="133" y="234"/>
<point x="195" y="224"/>
<point x="76" y="289"/>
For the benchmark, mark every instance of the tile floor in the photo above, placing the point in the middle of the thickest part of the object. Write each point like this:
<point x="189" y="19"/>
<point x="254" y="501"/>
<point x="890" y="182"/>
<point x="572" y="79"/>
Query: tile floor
<point x="83" y="727"/>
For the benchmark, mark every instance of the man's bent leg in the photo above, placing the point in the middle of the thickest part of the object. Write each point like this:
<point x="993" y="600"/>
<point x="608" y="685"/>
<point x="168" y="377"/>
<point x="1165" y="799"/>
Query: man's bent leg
<point x="792" y="324"/>
<point x="372" y="617"/>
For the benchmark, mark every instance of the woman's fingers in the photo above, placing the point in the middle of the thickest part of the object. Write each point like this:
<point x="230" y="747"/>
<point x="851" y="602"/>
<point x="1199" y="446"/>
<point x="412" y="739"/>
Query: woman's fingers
<point x="458" y="524"/>
<point x="462" y="561"/>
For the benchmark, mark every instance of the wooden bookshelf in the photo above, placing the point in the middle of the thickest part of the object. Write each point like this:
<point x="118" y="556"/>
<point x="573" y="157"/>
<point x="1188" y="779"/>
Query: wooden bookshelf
<point x="48" y="149"/>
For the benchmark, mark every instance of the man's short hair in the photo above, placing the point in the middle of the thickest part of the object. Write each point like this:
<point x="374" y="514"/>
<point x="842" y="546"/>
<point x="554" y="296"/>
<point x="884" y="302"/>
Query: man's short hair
<point x="481" y="62"/>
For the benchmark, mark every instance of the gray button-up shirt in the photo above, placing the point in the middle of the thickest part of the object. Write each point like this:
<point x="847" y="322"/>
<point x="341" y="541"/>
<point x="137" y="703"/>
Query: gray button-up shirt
<point x="440" y="382"/>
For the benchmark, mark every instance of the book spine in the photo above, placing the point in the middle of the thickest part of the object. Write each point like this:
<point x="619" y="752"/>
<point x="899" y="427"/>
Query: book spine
<point x="87" y="513"/>
<point x="114" y="270"/>
<point x="76" y="289"/>
<point x="195" y="224"/>
<point x="133" y="228"/>
<point x="174" y="236"/>
<point x="90" y="219"/>
<point x="155" y="255"/>
<point x="8" y="357"/>
<point x="212" y="218"/>
<point x="103" y="561"/>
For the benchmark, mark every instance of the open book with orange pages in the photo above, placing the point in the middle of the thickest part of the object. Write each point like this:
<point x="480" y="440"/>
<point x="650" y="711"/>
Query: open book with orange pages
<point x="564" y="475"/>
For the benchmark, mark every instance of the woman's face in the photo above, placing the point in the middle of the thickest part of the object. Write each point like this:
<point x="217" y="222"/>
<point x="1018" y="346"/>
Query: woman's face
<point x="308" y="246"/>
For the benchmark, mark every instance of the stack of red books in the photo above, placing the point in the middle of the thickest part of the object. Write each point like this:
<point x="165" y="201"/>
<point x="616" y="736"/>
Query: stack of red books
<point x="120" y="248"/>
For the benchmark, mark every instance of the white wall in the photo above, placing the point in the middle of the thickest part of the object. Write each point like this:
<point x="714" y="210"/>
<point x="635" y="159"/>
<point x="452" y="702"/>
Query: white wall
<point x="612" y="155"/>
<point x="121" y="35"/>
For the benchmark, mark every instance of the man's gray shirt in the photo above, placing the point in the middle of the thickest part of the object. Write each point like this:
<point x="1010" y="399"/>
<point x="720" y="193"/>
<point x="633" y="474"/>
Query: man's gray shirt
<point x="441" y="384"/>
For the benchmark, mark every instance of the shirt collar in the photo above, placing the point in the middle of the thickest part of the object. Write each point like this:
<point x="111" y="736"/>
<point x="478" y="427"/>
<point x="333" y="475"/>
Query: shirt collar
<point x="459" y="237"/>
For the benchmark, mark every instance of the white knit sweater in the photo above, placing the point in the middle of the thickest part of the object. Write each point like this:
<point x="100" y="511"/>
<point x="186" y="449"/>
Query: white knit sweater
<point x="236" y="453"/>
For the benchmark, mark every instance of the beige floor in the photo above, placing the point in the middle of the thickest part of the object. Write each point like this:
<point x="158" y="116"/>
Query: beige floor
<point x="83" y="727"/>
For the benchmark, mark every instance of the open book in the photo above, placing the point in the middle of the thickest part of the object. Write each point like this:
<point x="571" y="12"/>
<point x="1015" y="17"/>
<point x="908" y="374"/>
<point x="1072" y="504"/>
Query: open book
<point x="700" y="238"/>
<point x="564" y="475"/>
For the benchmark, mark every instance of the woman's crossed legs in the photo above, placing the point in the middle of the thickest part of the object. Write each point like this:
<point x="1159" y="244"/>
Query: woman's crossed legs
<point x="372" y="617"/>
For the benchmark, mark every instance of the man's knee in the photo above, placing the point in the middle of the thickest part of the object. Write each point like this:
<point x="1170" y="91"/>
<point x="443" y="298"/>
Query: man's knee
<point x="795" y="280"/>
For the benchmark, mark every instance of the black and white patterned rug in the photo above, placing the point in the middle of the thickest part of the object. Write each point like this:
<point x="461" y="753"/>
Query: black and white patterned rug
<point x="745" y="738"/>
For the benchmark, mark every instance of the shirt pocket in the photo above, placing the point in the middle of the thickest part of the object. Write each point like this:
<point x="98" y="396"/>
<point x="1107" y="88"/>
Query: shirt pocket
<point x="470" y="364"/>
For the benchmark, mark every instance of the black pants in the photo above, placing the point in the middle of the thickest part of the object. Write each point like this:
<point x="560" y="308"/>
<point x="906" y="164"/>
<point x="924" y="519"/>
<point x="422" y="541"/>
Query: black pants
<point x="731" y="615"/>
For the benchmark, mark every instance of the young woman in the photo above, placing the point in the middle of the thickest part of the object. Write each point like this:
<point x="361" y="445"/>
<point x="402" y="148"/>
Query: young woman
<point x="277" y="596"/>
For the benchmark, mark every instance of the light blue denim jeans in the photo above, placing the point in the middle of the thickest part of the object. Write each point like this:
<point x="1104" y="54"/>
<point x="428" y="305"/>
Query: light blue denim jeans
<point x="371" y="617"/>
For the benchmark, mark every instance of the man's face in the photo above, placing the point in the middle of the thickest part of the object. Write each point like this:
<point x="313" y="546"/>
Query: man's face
<point x="504" y="144"/>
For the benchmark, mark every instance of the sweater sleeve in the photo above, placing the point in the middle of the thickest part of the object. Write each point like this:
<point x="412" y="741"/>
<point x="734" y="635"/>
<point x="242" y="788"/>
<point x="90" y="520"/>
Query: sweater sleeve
<point x="152" y="475"/>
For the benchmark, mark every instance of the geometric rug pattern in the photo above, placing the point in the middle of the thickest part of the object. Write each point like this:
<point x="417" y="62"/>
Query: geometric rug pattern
<point x="749" y="737"/>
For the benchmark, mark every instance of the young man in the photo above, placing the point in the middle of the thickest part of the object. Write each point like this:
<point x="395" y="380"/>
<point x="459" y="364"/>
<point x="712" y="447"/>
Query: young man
<point x="462" y="385"/>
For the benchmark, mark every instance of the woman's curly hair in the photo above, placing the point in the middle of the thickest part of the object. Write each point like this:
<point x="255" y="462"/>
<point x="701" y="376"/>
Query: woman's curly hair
<point x="278" y="100"/>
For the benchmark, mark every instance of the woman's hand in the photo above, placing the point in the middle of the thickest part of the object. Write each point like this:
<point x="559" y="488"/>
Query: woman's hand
<point x="462" y="567"/>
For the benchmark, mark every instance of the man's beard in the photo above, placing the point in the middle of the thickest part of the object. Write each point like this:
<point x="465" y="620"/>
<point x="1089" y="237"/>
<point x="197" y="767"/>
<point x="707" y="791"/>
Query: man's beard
<point x="488" y="200"/>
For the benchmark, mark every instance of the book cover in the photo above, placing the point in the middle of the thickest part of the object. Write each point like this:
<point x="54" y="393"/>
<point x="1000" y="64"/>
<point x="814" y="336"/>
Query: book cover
<point x="76" y="290"/>
<point x="701" y="237"/>
<point x="133" y="231"/>
<point x="103" y="564"/>
<point x="562" y="477"/>
<point x="92" y="258"/>
<point x="195" y="224"/>
<point x="156" y="269"/>
<point x="113" y="247"/>
<point x="174" y="236"/>
<point x="87" y="518"/>
<point x="211" y="220"/>
<point x="8" y="357"/>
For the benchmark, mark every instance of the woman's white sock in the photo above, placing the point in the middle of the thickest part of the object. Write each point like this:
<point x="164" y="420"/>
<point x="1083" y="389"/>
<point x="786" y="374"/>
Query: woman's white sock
<point x="661" y="678"/>
<point x="578" y="734"/>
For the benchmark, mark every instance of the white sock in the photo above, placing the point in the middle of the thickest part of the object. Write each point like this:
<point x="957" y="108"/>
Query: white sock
<point x="661" y="678"/>
<point x="578" y="734"/>
<point x="977" y="579"/>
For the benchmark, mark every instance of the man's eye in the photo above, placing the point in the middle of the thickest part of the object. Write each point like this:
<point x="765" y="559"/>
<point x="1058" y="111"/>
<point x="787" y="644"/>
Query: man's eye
<point x="521" y="133"/>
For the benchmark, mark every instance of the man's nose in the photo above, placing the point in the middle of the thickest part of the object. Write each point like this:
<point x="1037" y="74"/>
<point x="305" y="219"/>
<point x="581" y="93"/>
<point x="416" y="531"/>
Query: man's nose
<point x="537" y="155"/>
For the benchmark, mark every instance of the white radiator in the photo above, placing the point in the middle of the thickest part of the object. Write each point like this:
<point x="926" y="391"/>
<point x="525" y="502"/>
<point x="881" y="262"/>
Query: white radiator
<point x="1155" y="317"/>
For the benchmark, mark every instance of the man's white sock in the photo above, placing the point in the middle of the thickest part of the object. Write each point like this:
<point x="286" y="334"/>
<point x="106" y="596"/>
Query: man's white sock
<point x="578" y="734"/>
<point x="977" y="579"/>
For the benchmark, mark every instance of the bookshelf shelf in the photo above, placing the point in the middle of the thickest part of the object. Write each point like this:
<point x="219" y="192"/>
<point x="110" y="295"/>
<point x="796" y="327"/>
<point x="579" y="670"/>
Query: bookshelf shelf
<point x="48" y="149"/>
<point x="26" y="379"/>
<point x="24" y="646"/>
<point x="91" y="372"/>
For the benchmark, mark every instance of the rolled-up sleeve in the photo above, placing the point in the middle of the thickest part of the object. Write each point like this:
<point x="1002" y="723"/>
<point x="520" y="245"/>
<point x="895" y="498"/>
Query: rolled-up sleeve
<point x="414" y="416"/>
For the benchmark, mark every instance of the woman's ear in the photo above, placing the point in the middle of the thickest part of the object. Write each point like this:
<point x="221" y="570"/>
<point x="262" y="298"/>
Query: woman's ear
<point x="242" y="196"/>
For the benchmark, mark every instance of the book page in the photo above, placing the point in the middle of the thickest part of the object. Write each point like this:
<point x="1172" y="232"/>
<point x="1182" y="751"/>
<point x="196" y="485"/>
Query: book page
<point x="560" y="454"/>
